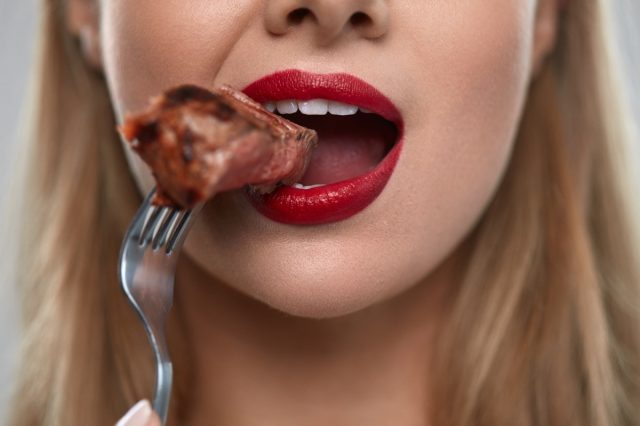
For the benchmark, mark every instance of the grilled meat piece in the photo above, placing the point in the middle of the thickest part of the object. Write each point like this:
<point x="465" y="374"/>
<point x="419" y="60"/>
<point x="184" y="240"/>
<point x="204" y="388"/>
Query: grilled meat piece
<point x="199" y="143"/>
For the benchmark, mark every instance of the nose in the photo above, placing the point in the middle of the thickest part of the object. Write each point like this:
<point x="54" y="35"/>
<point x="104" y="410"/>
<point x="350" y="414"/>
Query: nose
<point x="330" y="18"/>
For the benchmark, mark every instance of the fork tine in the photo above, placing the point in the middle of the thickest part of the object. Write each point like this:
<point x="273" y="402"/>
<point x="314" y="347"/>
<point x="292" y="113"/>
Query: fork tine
<point x="178" y="232"/>
<point x="160" y="233"/>
<point x="154" y="214"/>
<point x="141" y="217"/>
<point x="173" y="226"/>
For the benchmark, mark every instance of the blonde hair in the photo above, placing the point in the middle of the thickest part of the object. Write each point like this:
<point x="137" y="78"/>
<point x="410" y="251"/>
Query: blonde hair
<point x="544" y="327"/>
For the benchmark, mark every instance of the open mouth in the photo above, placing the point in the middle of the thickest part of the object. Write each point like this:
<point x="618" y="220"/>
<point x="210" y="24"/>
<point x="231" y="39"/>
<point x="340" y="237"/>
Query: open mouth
<point x="351" y="140"/>
<point x="360" y="139"/>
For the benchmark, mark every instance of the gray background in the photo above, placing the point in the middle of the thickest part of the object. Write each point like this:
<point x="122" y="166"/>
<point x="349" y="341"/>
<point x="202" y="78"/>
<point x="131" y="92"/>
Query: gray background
<point x="17" y="29"/>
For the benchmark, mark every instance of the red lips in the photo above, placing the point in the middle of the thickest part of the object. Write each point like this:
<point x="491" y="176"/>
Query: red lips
<point x="340" y="200"/>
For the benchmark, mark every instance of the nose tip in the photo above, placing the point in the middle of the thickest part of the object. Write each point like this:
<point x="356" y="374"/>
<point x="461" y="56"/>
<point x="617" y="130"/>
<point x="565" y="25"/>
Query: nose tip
<point x="330" y="18"/>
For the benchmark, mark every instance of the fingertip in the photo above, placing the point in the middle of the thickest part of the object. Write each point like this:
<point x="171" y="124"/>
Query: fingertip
<point x="154" y="420"/>
<point x="140" y="414"/>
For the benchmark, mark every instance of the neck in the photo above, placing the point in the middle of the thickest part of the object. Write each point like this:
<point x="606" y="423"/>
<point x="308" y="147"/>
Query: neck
<point x="249" y="363"/>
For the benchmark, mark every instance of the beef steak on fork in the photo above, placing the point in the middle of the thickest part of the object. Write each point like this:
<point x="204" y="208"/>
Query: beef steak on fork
<point x="200" y="142"/>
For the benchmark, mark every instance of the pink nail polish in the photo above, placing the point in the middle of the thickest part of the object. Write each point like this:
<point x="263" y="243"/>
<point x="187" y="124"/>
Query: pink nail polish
<point x="138" y="415"/>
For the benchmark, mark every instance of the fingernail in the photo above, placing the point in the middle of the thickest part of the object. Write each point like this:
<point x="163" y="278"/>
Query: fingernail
<point x="138" y="415"/>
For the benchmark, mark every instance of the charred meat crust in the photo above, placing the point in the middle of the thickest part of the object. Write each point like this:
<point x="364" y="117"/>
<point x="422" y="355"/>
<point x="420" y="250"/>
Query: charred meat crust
<point x="199" y="143"/>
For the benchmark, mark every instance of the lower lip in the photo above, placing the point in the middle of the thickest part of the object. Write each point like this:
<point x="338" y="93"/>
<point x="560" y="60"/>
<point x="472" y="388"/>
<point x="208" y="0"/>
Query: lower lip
<point x="329" y="203"/>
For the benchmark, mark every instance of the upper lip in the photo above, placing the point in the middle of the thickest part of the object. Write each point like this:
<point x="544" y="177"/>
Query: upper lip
<point x="341" y="87"/>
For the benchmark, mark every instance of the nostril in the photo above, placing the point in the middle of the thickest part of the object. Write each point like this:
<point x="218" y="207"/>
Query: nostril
<point x="297" y="16"/>
<point x="360" y="19"/>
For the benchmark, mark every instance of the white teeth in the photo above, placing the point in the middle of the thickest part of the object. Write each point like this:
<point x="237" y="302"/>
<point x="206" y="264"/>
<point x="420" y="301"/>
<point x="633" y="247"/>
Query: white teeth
<point x="338" y="108"/>
<point x="314" y="107"/>
<point x="269" y="106"/>
<point x="287" y="107"/>
<point x="301" y="186"/>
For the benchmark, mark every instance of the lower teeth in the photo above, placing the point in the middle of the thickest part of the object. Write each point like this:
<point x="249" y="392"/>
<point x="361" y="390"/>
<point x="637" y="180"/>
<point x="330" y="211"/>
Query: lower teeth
<point x="301" y="186"/>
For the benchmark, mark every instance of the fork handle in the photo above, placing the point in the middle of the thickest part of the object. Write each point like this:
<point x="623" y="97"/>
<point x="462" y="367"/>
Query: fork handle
<point x="164" y="373"/>
<point x="164" y="369"/>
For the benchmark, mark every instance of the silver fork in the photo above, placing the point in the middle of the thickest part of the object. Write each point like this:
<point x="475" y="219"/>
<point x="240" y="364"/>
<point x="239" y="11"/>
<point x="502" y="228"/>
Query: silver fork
<point x="147" y="266"/>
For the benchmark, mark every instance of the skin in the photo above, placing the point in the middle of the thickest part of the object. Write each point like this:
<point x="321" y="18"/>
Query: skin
<point x="356" y="302"/>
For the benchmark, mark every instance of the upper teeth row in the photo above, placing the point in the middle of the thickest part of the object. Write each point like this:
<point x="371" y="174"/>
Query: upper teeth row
<point x="313" y="107"/>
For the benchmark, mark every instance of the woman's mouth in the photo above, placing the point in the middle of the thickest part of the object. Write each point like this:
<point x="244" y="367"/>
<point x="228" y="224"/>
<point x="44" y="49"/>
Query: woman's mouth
<point x="360" y="132"/>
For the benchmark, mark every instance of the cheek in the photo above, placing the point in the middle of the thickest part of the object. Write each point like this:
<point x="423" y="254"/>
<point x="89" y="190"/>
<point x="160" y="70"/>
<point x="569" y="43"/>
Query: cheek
<point x="149" y="47"/>
<point x="473" y="63"/>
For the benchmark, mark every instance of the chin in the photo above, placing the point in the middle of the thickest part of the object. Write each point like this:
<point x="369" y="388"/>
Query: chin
<point x="312" y="296"/>
<point x="316" y="280"/>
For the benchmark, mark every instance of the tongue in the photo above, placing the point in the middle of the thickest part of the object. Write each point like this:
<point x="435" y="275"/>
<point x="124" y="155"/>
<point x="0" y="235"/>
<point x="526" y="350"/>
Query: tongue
<point x="340" y="157"/>
<point x="349" y="146"/>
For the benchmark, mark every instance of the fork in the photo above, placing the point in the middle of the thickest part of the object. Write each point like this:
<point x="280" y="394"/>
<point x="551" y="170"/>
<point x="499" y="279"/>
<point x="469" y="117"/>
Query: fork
<point x="147" y="266"/>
